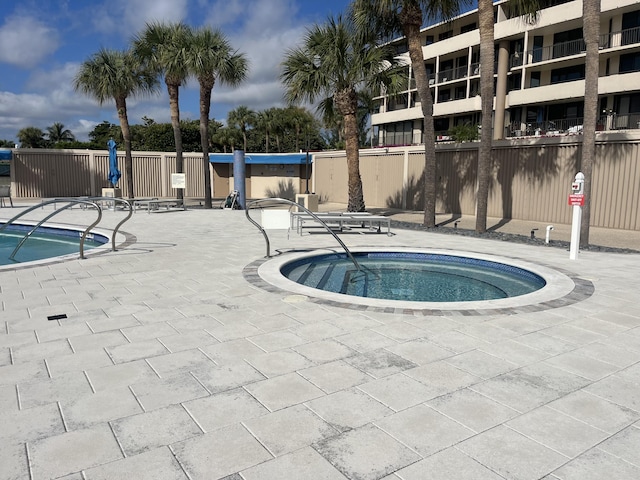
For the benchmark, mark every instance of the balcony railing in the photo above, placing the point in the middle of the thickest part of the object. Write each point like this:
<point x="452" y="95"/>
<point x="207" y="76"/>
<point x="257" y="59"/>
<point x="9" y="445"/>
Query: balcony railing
<point x="619" y="39"/>
<point x="629" y="36"/>
<point x="569" y="126"/>
<point x="452" y="74"/>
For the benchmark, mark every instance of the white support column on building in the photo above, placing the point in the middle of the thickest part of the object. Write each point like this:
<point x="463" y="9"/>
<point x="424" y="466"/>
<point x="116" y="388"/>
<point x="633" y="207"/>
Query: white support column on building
<point x="525" y="59"/>
<point x="501" y="90"/>
<point x="469" y="72"/>
<point x="405" y="178"/>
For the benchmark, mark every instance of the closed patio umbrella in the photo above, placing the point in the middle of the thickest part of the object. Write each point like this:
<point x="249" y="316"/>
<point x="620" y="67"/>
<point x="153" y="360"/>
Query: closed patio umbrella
<point x="114" y="173"/>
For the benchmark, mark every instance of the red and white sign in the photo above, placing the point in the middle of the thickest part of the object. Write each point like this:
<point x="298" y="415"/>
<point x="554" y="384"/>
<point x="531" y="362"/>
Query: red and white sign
<point x="576" y="199"/>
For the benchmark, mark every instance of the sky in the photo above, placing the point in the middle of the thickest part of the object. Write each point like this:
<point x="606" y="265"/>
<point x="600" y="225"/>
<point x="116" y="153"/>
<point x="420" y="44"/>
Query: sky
<point x="43" y="43"/>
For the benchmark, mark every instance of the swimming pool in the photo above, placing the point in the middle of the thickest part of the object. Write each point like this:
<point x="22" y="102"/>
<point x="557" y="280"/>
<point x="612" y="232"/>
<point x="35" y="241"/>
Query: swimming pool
<point x="557" y="287"/>
<point x="414" y="277"/>
<point x="45" y="243"/>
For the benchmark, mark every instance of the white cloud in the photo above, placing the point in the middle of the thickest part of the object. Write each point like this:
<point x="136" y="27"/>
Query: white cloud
<point x="263" y="31"/>
<point x="26" y="41"/>
<point x="130" y="16"/>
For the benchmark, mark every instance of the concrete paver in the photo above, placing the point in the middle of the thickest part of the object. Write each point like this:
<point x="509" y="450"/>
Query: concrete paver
<point x="174" y="363"/>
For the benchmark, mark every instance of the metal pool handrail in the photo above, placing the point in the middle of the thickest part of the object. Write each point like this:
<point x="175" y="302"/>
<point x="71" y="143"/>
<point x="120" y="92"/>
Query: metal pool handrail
<point x="71" y="202"/>
<point x="276" y="200"/>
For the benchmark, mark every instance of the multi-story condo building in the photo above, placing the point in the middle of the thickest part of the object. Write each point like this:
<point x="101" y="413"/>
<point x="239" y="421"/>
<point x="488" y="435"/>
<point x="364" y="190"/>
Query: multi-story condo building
<point x="542" y="64"/>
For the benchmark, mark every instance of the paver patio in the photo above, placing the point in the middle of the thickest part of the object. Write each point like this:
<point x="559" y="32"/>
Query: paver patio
<point x="172" y="364"/>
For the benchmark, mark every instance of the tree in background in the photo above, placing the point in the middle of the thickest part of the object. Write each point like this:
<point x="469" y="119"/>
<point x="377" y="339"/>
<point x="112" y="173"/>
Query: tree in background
<point x="242" y="118"/>
<point x="227" y="137"/>
<point x="32" y="137"/>
<point x="591" y="22"/>
<point x="210" y="58"/>
<point x="334" y="61"/>
<point x="58" y="134"/>
<point x="162" y="48"/>
<point x="390" y="17"/>
<point x="299" y="119"/>
<point x="6" y="143"/>
<point x="266" y="122"/>
<point x="102" y="132"/>
<point x="113" y="74"/>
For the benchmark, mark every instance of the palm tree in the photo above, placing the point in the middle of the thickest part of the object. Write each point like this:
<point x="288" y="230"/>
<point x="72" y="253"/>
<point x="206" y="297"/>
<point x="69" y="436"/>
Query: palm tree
<point x="227" y="137"/>
<point x="528" y="10"/>
<point x="31" y="137"/>
<point x="114" y="74"/>
<point x="266" y="120"/>
<point x="487" y="55"/>
<point x="390" y="17"/>
<point x="242" y="118"/>
<point x="333" y="62"/>
<point x="163" y="48"/>
<point x="591" y="22"/>
<point x="57" y="133"/>
<point x="210" y="58"/>
<point x="299" y="119"/>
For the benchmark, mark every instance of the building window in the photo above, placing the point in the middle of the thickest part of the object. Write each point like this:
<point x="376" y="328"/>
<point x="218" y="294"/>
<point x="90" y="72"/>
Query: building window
<point x="567" y="74"/>
<point x="444" y="95"/>
<point x="631" y="20"/>
<point x="468" y="28"/>
<point x="514" y="82"/>
<point x="461" y="92"/>
<point x="535" y="80"/>
<point x="400" y="133"/>
<point x="538" y="42"/>
<point x="445" y="35"/>
<point x="441" y="125"/>
<point x="630" y="62"/>
<point x="428" y="40"/>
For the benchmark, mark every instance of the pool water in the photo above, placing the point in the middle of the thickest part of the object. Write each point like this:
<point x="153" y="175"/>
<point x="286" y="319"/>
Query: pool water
<point x="413" y="277"/>
<point x="45" y="243"/>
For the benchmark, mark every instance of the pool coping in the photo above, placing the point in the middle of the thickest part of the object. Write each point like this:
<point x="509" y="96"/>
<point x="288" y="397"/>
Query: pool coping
<point x="563" y="287"/>
<point x="122" y="239"/>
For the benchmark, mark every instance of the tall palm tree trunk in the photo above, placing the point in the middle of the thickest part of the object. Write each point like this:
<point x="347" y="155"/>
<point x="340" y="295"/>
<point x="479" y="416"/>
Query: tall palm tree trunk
<point x="412" y="21"/>
<point x="591" y="19"/>
<point x="347" y="104"/>
<point x="172" y="89"/>
<point x="121" y="106"/>
<point x="205" y="106"/>
<point x="485" y="18"/>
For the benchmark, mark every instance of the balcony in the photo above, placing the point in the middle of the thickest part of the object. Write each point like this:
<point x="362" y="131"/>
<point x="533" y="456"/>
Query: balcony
<point x="572" y="126"/>
<point x="630" y="36"/>
<point x="619" y="39"/>
<point x="452" y="74"/>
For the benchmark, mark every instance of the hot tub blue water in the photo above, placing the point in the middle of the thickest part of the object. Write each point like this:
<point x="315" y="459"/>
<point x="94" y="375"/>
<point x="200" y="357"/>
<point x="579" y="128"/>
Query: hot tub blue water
<point x="45" y="243"/>
<point x="418" y="277"/>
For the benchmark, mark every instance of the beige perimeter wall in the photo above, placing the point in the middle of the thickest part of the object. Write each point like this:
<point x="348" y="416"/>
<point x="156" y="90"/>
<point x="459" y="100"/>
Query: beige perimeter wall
<point x="531" y="179"/>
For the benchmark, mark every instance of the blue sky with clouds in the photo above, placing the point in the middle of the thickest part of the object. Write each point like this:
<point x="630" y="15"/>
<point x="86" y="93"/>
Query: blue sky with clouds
<point x="43" y="42"/>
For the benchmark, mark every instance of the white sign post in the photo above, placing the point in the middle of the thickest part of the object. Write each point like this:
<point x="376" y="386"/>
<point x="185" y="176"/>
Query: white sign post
<point x="576" y="199"/>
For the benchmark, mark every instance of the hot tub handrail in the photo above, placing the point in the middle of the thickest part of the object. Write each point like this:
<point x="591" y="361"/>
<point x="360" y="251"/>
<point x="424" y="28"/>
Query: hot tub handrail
<point x="117" y="227"/>
<point x="277" y="200"/>
<point x="55" y="212"/>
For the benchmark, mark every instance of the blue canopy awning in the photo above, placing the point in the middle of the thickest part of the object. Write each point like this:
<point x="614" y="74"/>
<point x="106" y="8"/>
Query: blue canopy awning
<point x="263" y="158"/>
<point x="5" y="154"/>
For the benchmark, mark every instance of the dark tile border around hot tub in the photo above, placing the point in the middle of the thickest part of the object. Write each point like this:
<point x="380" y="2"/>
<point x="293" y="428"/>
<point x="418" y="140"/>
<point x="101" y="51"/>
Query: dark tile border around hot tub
<point x="582" y="290"/>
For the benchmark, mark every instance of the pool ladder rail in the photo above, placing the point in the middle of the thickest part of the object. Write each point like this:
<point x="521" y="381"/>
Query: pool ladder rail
<point x="266" y="202"/>
<point x="83" y="202"/>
